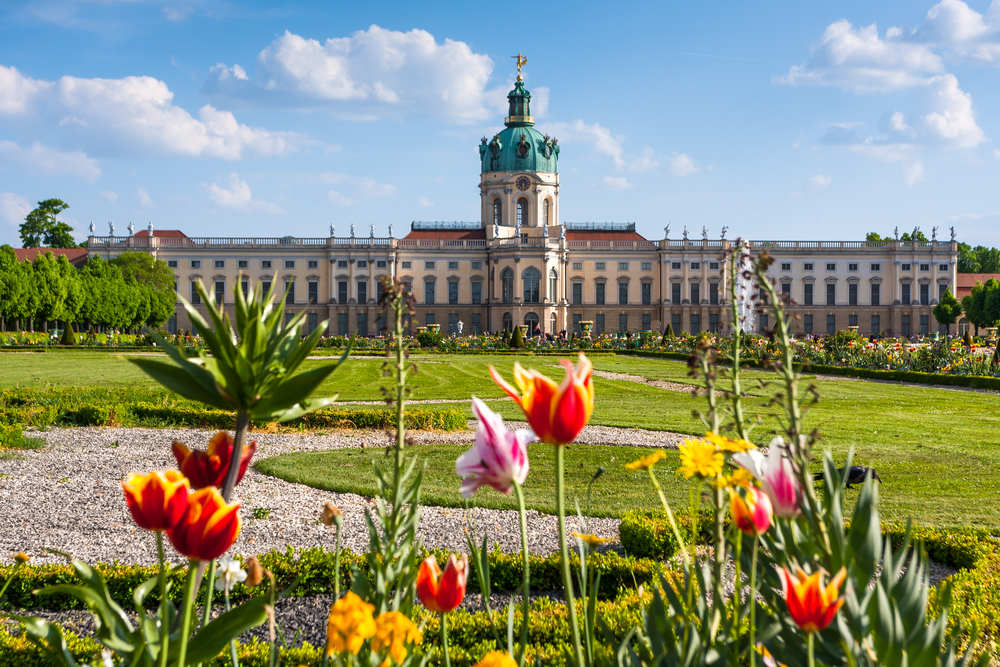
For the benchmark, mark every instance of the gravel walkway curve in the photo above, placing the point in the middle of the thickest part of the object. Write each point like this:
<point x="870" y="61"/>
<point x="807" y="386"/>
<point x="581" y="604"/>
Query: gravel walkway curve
<point x="68" y="496"/>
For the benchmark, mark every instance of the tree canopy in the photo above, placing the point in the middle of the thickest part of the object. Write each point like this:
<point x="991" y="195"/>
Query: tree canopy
<point x="982" y="305"/>
<point x="947" y="309"/>
<point x="41" y="228"/>
<point x="978" y="260"/>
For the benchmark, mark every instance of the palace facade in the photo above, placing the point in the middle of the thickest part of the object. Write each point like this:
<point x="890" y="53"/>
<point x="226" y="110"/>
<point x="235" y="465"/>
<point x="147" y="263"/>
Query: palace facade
<point x="520" y="265"/>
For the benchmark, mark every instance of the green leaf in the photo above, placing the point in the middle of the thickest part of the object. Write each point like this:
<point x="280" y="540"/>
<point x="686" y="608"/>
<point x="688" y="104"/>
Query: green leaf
<point x="212" y="638"/>
<point x="180" y="381"/>
<point x="48" y="637"/>
<point x="294" y="390"/>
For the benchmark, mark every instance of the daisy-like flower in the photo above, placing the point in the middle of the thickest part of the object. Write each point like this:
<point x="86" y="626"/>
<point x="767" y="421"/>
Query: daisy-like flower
<point x="699" y="458"/>
<point x="737" y="446"/>
<point x="647" y="462"/>
<point x="229" y="572"/>
<point x="740" y="477"/>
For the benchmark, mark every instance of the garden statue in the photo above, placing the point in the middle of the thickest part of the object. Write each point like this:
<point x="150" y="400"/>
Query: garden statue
<point x="545" y="231"/>
<point x="372" y="234"/>
<point x="724" y="230"/>
<point x="352" y="230"/>
<point x="333" y="230"/>
<point x="685" y="232"/>
<point x="149" y="228"/>
<point x="704" y="233"/>
<point x="934" y="233"/>
<point x="496" y="229"/>
<point x="131" y="228"/>
<point x="460" y="325"/>
<point x="914" y="237"/>
<point x="111" y="228"/>
<point x="92" y="231"/>
<point x="562" y="231"/>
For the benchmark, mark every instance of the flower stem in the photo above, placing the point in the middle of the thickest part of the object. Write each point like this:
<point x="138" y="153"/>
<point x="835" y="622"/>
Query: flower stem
<point x="444" y="639"/>
<point x="812" y="658"/>
<point x="753" y="603"/>
<point x="336" y="569"/>
<point x="164" y="603"/>
<point x="232" y="642"/>
<point x="526" y="575"/>
<point x="564" y="554"/>
<point x="737" y="588"/>
<point x="670" y="517"/>
<point x="190" y="590"/>
<point x="206" y="614"/>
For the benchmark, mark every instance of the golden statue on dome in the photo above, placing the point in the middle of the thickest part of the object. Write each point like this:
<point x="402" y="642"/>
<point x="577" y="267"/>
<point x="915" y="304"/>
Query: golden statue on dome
<point x="520" y="62"/>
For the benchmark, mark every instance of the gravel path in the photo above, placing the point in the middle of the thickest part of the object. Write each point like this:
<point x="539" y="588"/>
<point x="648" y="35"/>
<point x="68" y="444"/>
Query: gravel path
<point x="68" y="496"/>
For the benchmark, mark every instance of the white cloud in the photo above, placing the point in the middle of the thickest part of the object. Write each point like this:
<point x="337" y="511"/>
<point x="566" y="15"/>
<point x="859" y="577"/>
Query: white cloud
<point x="112" y="197"/>
<point x="370" y="74"/>
<point x="617" y="183"/>
<point x="604" y="143"/>
<point x="362" y="187"/>
<point x="914" y="173"/>
<point x="144" y="199"/>
<point x="177" y="13"/>
<point x="424" y="202"/>
<point x="13" y="208"/>
<point x="339" y="199"/>
<point x="818" y="182"/>
<point x="134" y="114"/>
<point x="238" y="197"/>
<point x="962" y="32"/>
<point x="40" y="159"/>
<point x="682" y="165"/>
<point x="996" y="153"/>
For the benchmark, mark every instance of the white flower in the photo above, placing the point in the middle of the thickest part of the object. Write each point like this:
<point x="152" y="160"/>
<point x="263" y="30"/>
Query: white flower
<point x="229" y="572"/>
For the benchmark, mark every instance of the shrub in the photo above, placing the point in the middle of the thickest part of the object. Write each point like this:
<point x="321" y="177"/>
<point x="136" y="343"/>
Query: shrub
<point x="68" y="337"/>
<point x="517" y="342"/>
<point x="967" y="339"/>
<point x="12" y="437"/>
<point x="646" y="534"/>
<point x="429" y="338"/>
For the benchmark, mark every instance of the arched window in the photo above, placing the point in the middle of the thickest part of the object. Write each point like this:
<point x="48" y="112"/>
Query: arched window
<point x="507" y="279"/>
<point x="552" y="324"/>
<point x="531" y="319"/>
<point x="522" y="212"/>
<point x="531" y="278"/>
<point x="497" y="211"/>
<point x="508" y="322"/>
<point x="545" y="212"/>
<point x="553" y="286"/>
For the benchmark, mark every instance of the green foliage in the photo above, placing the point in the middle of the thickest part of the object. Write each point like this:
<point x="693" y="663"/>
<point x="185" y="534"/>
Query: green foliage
<point x="647" y="534"/>
<point x="517" y="342"/>
<point x="967" y="339"/>
<point x="873" y="237"/>
<point x="13" y="437"/>
<point x="980" y="305"/>
<point x="429" y="338"/>
<point x="68" y="337"/>
<point x="40" y="227"/>
<point x="978" y="260"/>
<point x="947" y="309"/>
<point x="668" y="332"/>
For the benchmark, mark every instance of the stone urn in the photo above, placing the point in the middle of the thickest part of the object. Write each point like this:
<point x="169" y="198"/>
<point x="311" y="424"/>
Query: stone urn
<point x="420" y="330"/>
<point x="586" y="328"/>
<point x="434" y="328"/>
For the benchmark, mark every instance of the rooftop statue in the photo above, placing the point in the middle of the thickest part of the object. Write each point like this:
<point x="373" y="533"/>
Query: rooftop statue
<point x="520" y="63"/>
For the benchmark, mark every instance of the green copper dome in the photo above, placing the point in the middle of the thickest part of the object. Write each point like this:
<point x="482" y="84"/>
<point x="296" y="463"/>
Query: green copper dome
<point x="519" y="147"/>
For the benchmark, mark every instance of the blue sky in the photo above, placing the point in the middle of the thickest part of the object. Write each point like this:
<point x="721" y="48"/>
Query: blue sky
<point x="778" y="120"/>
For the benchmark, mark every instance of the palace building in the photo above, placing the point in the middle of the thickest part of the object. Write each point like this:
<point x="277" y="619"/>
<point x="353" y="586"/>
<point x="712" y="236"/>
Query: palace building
<point x="519" y="264"/>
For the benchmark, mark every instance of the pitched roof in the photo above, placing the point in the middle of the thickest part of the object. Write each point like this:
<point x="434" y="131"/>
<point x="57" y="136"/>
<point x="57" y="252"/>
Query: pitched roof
<point x="162" y="234"/>
<point x="76" y="256"/>
<point x="966" y="281"/>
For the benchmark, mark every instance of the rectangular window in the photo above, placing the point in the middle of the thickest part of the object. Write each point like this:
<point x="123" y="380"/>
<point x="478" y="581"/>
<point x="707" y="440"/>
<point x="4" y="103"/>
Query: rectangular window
<point x="852" y="294"/>
<point x="288" y="318"/>
<point x="598" y="266"/>
<point x="477" y="265"/>
<point x="362" y="324"/>
<point x="429" y="318"/>
<point x="429" y="292"/>
<point x="428" y="265"/>
<point x="647" y="294"/>
<point x="786" y="266"/>
<point x="379" y="291"/>
<point x="905" y="296"/>
<point x="875" y="325"/>
<point x="695" y="323"/>
<point x="831" y="266"/>
<point x="623" y="266"/>
<point x="807" y="266"/>
<point x="786" y="291"/>
<point x="245" y="287"/>
<point x="220" y="263"/>
<point x="942" y="288"/>
<point x="342" y="291"/>
<point x="453" y="324"/>
<point x="265" y="264"/>
<point x="242" y="264"/>
<point x="852" y="267"/>
<point x="647" y="266"/>
<point x="675" y="322"/>
<point x="362" y="291"/>
<point x="675" y="294"/>
<point x="714" y="266"/>
<point x="943" y="268"/>
<point x="695" y="266"/>
<point x="578" y="266"/>
<point x="599" y="324"/>
<point x="220" y="291"/>
<point x="876" y="294"/>
<point x="452" y="292"/>
<point x="675" y="266"/>
<point x="623" y="322"/>
<point x="195" y="263"/>
<point x="577" y="293"/>
<point x="925" y="294"/>
<point x="622" y="294"/>
<point x="852" y="320"/>
<point x="925" y="325"/>
<point x="195" y="297"/>
<point x="831" y="294"/>
<point x="407" y="265"/>
<point x="904" y="267"/>
<point x="713" y="293"/>
<point x="695" y="293"/>
<point x="313" y="287"/>
<point x="477" y="324"/>
<point x="362" y="264"/>
<point x="341" y="324"/>
<point x="265" y="286"/>
<point x="290" y="289"/>
<point x="172" y="324"/>
<point x="313" y="264"/>
<point x="599" y="293"/>
<point x="312" y="322"/>
<point x="713" y="322"/>
<point x="904" y="324"/>
<point x="289" y="263"/>
<point x="831" y="324"/>
<point x="807" y="294"/>
<point x="380" y="264"/>
<point x="172" y="263"/>
<point x="576" y="323"/>
<point x="477" y="292"/>
<point x="925" y="267"/>
<point x="453" y="266"/>
<point x="341" y="263"/>
<point x="807" y="324"/>
<point x="764" y="328"/>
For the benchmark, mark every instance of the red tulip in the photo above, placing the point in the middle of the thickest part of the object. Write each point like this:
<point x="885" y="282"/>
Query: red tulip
<point x="752" y="512"/>
<point x="209" y="468"/>
<point x="157" y="500"/>
<point x="556" y="413"/>
<point x="811" y="605"/>
<point x="208" y="528"/>
<point x="442" y="593"/>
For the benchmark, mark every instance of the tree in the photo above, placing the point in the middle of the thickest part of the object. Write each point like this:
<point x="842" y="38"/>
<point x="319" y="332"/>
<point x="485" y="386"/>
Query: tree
<point x="873" y="237"/>
<point x="14" y="287"/>
<point x="50" y="288"/>
<point x="73" y="286"/>
<point x="947" y="309"/>
<point x="153" y="282"/>
<point x="40" y="227"/>
<point x="968" y="260"/>
<point x="975" y="303"/>
<point x="921" y="238"/>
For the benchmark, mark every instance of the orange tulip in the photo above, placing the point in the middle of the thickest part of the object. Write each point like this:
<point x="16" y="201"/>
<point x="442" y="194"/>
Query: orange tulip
<point x="209" y="468"/>
<point x="556" y="413"/>
<point x="157" y="500"/>
<point x="442" y="593"/>
<point x="810" y="605"/>
<point x="208" y="528"/>
<point x="752" y="512"/>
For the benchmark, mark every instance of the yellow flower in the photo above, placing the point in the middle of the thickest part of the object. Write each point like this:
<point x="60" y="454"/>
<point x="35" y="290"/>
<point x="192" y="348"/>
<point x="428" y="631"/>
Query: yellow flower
<point x="393" y="631"/>
<point x="496" y="659"/>
<point x="22" y="558"/>
<point x="700" y="458"/>
<point x="593" y="541"/>
<point x="740" y="477"/>
<point x="349" y="625"/>
<point x="738" y="446"/>
<point x="646" y="462"/>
